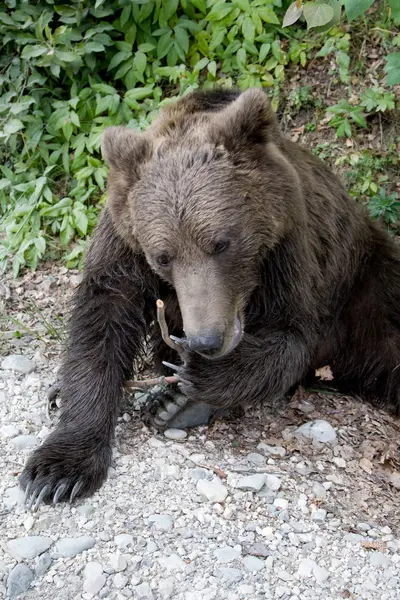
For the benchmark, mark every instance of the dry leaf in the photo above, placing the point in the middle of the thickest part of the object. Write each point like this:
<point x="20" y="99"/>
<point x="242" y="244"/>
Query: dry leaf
<point x="366" y="465"/>
<point x="324" y="373"/>
<point x="376" y="545"/>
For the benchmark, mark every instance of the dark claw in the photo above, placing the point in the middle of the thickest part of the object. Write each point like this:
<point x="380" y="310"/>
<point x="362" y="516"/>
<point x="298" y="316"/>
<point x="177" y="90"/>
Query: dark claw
<point x="32" y="500"/>
<point x="178" y="340"/>
<point x="173" y="367"/>
<point x="75" y="490"/>
<point x="59" y="492"/>
<point x="184" y="382"/>
<point x="27" y="489"/>
<point x="40" y="497"/>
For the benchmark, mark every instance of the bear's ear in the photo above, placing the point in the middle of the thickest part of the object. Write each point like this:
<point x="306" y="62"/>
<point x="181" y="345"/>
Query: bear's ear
<point x="124" y="150"/>
<point x="246" y="122"/>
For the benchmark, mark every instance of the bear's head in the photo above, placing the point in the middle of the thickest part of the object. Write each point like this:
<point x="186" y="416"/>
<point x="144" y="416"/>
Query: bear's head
<point x="205" y="195"/>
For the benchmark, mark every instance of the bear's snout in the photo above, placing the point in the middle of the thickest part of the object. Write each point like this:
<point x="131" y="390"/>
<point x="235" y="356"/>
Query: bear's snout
<point x="207" y="344"/>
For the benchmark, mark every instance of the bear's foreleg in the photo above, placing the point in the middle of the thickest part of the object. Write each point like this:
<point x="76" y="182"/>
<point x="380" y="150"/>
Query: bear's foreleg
<point x="107" y="330"/>
<point x="259" y="369"/>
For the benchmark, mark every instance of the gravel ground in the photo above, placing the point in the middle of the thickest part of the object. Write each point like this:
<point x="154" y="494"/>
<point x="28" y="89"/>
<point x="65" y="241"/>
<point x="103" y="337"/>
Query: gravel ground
<point x="249" y="509"/>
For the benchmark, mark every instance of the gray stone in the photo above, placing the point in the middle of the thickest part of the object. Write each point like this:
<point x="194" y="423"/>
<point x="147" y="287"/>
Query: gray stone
<point x="24" y="442"/>
<point x="318" y="490"/>
<point x="172" y="562"/>
<point x="213" y="490"/>
<point x="94" y="579"/>
<point x="281" y="503"/>
<point x="151" y="547"/>
<point x="272" y="450"/>
<point x="253" y="564"/>
<point x="258" y="549"/>
<point x="378" y="559"/>
<point x="175" y="434"/>
<point x="14" y="496"/>
<point x="231" y="574"/>
<point x="143" y="592"/>
<point x="120" y="581"/>
<point x="318" y="515"/>
<point x="68" y="547"/>
<point x="43" y="562"/>
<point x="123" y="540"/>
<point x="273" y="483"/>
<point x="161" y="522"/>
<point x="9" y="431"/>
<point x="118" y="562"/>
<point x="19" y="580"/>
<point x="18" y="363"/>
<point x="28" y="547"/>
<point x="256" y="459"/>
<point x="306" y="567"/>
<point x="166" y="588"/>
<point x="320" y="573"/>
<point x="226" y="554"/>
<point x="251" y="483"/>
<point x="318" y="430"/>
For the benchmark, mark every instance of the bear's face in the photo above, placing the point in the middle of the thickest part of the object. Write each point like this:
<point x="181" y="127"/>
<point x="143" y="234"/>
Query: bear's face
<point x="205" y="212"/>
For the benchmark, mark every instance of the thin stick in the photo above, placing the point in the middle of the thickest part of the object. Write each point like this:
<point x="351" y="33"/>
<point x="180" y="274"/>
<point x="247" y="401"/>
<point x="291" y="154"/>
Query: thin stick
<point x="146" y="383"/>
<point x="164" y="327"/>
<point x="170" y="380"/>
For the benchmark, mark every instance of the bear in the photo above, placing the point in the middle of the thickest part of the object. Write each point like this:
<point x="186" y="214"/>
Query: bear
<point x="267" y="267"/>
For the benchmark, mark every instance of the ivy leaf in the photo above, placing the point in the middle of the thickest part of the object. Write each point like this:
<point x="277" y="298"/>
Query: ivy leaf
<point x="355" y="8"/>
<point x="317" y="15"/>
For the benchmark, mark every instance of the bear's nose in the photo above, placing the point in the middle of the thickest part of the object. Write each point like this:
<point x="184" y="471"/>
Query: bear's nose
<point x="206" y="344"/>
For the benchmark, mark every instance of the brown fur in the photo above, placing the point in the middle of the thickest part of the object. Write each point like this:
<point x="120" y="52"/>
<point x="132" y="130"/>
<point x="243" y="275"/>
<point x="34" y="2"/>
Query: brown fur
<point x="312" y="280"/>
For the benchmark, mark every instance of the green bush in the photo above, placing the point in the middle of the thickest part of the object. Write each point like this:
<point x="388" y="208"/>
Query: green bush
<point x="68" y="70"/>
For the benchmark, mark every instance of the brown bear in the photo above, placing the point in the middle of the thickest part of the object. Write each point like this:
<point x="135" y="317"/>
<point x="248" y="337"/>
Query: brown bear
<point x="267" y="267"/>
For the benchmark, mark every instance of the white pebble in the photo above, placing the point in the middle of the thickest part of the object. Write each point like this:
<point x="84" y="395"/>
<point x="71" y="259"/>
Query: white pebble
<point x="175" y="434"/>
<point x="213" y="490"/>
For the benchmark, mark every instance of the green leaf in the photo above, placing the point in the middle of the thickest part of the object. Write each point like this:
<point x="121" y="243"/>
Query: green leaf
<point x="146" y="47"/>
<point x="392" y="68"/>
<point x="268" y="15"/>
<point x="139" y="93"/>
<point x="66" y="56"/>
<point x="264" y="50"/>
<point x="355" y="8"/>
<point x="337" y="9"/>
<point x="241" y="58"/>
<point x="117" y="59"/>
<point x="170" y="8"/>
<point x="212" y="68"/>
<point x="67" y="129"/>
<point x="244" y="5"/>
<point x="12" y="126"/>
<point x="93" y="47"/>
<point x="33" y="51"/>
<point x="248" y="29"/>
<point x="317" y="15"/>
<point x="164" y="44"/>
<point x="81" y="222"/>
<point x="140" y="62"/>
<point x="219" y="11"/>
<point x="182" y="38"/>
<point x="292" y="15"/>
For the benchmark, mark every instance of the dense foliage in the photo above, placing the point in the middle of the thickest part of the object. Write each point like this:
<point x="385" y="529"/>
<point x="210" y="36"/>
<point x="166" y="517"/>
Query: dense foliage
<point x="68" y="70"/>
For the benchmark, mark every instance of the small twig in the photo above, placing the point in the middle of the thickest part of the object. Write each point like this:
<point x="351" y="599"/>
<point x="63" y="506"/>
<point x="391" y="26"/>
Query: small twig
<point x="170" y="380"/>
<point x="146" y="383"/>
<point x="164" y="327"/>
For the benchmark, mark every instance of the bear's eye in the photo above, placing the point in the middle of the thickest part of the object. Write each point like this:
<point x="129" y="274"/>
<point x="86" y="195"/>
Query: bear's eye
<point x="163" y="260"/>
<point x="220" y="246"/>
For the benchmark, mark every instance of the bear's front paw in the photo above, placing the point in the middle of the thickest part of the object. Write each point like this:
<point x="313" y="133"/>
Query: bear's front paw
<point x="64" y="468"/>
